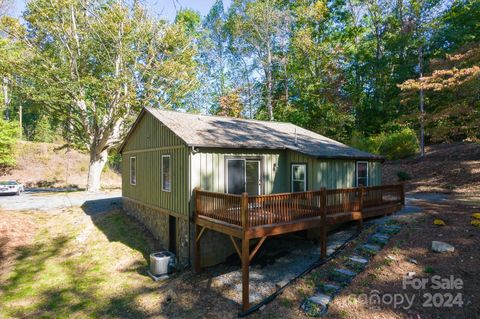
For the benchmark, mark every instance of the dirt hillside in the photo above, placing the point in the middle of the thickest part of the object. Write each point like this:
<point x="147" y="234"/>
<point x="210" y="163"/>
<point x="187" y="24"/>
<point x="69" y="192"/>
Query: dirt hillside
<point x="447" y="168"/>
<point x="45" y="165"/>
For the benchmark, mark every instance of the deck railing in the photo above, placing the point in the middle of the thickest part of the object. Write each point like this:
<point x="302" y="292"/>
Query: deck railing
<point x="257" y="217"/>
<point x="250" y="211"/>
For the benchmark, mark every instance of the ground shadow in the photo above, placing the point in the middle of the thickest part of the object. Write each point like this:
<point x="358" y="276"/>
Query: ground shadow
<point x="107" y="215"/>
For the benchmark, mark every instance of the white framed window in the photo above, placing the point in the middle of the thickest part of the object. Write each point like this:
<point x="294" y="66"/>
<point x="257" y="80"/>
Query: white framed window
<point x="299" y="177"/>
<point x="133" y="170"/>
<point x="166" y="173"/>
<point x="362" y="173"/>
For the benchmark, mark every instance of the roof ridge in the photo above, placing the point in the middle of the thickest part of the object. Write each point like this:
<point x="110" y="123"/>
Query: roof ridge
<point x="219" y="116"/>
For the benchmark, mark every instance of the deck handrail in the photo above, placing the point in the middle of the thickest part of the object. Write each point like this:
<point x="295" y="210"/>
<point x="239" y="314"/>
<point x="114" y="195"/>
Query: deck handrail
<point x="249" y="211"/>
<point x="257" y="217"/>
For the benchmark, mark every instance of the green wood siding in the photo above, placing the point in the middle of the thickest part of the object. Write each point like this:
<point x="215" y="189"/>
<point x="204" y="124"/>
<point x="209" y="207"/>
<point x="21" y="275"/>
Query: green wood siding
<point x="329" y="173"/>
<point x="208" y="168"/>
<point x="148" y="142"/>
<point x="150" y="133"/>
<point x="374" y="173"/>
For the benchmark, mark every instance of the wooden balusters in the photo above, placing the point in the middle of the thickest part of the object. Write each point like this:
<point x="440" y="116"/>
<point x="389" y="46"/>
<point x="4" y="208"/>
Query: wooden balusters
<point x="253" y="211"/>
<point x="323" y="228"/>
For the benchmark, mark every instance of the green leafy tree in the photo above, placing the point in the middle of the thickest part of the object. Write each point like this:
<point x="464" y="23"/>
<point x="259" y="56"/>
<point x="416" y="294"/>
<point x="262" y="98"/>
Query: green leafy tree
<point x="8" y="138"/>
<point x="43" y="131"/>
<point x="214" y="57"/>
<point x="95" y="65"/>
<point x="316" y="76"/>
<point x="257" y="29"/>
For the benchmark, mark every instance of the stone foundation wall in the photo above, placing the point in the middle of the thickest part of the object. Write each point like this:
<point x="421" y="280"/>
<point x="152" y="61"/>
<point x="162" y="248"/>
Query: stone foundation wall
<point x="157" y="222"/>
<point x="183" y="242"/>
<point x="214" y="246"/>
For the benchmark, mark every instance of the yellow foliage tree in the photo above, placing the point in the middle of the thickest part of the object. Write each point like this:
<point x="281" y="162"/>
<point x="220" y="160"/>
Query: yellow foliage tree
<point x="452" y="91"/>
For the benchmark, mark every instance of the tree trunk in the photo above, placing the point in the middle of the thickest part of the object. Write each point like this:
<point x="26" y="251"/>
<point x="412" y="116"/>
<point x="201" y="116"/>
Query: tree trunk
<point x="6" y="98"/>
<point x="97" y="163"/>
<point x="269" y="82"/>
<point x="421" y="97"/>
<point x="269" y="95"/>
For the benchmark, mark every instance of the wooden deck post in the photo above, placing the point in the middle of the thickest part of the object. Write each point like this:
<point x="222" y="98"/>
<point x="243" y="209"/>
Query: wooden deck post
<point x="245" y="253"/>
<point x="197" y="229"/>
<point x="361" y="193"/>
<point x="323" y="227"/>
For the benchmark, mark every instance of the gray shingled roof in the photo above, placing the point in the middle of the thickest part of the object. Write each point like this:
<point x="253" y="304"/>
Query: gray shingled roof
<point x="225" y="132"/>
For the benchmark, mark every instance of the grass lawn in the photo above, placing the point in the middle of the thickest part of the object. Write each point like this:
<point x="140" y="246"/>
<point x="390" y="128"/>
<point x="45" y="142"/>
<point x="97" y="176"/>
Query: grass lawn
<point x="80" y="266"/>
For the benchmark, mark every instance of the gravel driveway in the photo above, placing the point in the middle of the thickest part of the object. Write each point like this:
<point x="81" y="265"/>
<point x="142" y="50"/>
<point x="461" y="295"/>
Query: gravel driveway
<point x="45" y="201"/>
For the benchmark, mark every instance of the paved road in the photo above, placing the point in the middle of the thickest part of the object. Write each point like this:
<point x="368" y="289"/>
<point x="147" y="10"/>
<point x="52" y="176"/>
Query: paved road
<point x="45" y="201"/>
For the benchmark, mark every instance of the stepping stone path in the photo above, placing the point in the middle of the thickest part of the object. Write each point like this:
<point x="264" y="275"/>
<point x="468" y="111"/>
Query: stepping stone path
<point x="388" y="229"/>
<point x="342" y="275"/>
<point x="357" y="262"/>
<point x="317" y="305"/>
<point x="369" y="249"/>
<point x="330" y="289"/>
<point x="379" y="238"/>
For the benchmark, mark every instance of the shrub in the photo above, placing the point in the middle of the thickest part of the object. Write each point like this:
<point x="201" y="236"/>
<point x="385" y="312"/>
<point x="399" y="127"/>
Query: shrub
<point x="369" y="144"/>
<point x="114" y="161"/>
<point x="401" y="144"/>
<point x="8" y="138"/>
<point x="403" y="176"/>
<point x="394" y="145"/>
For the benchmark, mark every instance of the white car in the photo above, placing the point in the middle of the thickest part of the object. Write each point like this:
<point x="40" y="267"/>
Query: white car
<point x="11" y="188"/>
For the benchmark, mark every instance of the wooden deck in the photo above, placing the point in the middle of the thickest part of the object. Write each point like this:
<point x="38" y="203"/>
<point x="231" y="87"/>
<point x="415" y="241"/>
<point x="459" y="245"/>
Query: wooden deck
<point x="257" y="217"/>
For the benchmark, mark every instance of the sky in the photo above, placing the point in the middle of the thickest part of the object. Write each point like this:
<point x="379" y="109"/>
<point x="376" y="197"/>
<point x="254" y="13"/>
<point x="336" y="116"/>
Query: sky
<point x="164" y="8"/>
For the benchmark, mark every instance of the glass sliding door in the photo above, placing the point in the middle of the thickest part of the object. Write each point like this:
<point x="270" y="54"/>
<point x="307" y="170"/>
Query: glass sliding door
<point x="253" y="177"/>
<point x="235" y="176"/>
<point x="243" y="175"/>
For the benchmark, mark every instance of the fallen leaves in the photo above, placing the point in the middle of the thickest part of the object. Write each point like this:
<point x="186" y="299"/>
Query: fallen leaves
<point x="475" y="223"/>
<point x="475" y="220"/>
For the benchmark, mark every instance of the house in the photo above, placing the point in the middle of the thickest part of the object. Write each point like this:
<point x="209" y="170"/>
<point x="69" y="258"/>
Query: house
<point x="166" y="155"/>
